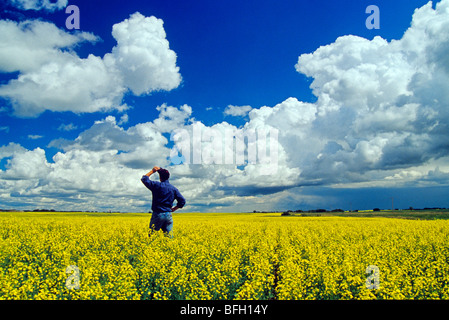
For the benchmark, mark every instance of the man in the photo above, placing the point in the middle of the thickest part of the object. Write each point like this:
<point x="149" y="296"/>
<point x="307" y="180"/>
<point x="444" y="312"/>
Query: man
<point x="164" y="194"/>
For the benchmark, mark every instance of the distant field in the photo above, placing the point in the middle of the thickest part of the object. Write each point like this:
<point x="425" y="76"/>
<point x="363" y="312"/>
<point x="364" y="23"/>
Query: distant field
<point x="400" y="214"/>
<point x="225" y="256"/>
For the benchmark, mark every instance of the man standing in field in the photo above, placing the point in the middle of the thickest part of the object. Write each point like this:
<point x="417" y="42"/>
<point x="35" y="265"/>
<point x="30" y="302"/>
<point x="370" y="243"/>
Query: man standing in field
<point x="164" y="194"/>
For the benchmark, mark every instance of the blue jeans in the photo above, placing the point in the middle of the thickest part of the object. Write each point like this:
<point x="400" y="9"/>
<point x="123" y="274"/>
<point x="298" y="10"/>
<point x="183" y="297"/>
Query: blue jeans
<point x="161" y="221"/>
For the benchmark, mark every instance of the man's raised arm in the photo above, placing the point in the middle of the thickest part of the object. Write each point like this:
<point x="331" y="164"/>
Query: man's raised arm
<point x="155" y="169"/>
<point x="146" y="178"/>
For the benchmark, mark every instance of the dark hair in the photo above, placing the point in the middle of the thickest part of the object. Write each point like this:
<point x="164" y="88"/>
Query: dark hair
<point x="163" y="174"/>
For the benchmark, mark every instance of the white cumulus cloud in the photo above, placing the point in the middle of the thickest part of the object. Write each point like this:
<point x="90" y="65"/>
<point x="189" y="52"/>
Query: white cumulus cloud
<point x="237" y="111"/>
<point x="39" y="4"/>
<point x="381" y="105"/>
<point x="53" y="77"/>
<point x="143" y="56"/>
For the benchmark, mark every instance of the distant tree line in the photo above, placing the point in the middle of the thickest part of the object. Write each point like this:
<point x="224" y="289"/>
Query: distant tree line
<point x="289" y="212"/>
<point x="52" y="210"/>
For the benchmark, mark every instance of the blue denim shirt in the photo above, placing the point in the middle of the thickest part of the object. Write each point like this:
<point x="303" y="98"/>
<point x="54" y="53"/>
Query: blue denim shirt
<point x="164" y="194"/>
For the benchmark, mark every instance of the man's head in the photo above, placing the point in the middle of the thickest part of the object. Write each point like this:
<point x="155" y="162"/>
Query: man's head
<point x="163" y="174"/>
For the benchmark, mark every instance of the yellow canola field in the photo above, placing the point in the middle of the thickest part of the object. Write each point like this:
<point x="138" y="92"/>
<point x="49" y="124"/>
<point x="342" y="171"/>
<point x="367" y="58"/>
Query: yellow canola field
<point x="221" y="256"/>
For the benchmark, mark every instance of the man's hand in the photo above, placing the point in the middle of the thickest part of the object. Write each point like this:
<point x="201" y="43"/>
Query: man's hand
<point x="155" y="169"/>
<point x="174" y="209"/>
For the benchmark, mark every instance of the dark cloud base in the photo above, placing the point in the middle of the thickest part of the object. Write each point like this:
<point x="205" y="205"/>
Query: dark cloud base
<point x="370" y="198"/>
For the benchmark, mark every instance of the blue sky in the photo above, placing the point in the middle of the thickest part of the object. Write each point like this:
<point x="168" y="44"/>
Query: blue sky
<point x="84" y="113"/>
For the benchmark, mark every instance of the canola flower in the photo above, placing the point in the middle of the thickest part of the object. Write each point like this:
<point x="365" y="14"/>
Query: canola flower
<point x="221" y="256"/>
